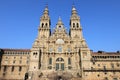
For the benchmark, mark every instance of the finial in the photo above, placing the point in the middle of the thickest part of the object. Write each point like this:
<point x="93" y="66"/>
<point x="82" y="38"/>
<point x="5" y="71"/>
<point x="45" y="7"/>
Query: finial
<point x="59" y="19"/>
<point x="46" y="10"/>
<point x="73" y="4"/>
<point x="46" y="7"/>
<point x="74" y="11"/>
<point x="73" y="7"/>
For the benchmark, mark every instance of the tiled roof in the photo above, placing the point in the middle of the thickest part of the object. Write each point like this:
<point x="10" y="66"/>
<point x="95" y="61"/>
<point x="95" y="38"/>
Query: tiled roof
<point x="105" y="53"/>
<point x="18" y="50"/>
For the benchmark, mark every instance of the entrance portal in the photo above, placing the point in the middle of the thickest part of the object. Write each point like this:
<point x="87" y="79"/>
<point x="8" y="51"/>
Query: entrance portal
<point x="59" y="78"/>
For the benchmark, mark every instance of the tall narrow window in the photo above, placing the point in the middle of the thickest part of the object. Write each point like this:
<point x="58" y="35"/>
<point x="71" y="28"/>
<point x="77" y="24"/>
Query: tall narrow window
<point x="50" y="50"/>
<point x="69" y="61"/>
<point x="104" y="67"/>
<point x="59" y="49"/>
<point x="77" y="25"/>
<point x="46" y="24"/>
<point x="12" y="68"/>
<point x="27" y="61"/>
<point x="42" y="25"/>
<point x="50" y="60"/>
<point x="20" y="68"/>
<point x="5" y="68"/>
<point x="73" y="25"/>
<point x="112" y="65"/>
<point x="69" y="50"/>
<point x="20" y="61"/>
<point x="62" y="66"/>
<point x="57" y="66"/>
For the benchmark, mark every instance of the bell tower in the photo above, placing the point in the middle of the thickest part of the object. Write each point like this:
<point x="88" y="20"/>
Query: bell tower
<point x="44" y="27"/>
<point x="75" y="26"/>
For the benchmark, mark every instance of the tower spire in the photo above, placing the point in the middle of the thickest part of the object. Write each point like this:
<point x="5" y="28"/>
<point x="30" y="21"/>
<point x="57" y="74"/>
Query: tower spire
<point x="60" y="21"/>
<point x="74" y="11"/>
<point x="46" y="11"/>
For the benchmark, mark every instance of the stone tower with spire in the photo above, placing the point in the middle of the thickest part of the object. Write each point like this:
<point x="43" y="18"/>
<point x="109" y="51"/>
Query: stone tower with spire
<point x="59" y="55"/>
<point x="75" y="26"/>
<point x="44" y="28"/>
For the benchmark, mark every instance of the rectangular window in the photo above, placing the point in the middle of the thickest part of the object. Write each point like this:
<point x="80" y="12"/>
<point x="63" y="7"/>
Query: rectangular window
<point x="20" y="68"/>
<point x="112" y="65"/>
<point x="59" y="49"/>
<point x="50" y="60"/>
<point x="5" y="68"/>
<point x="62" y="66"/>
<point x="104" y="67"/>
<point x="69" y="50"/>
<point x="69" y="61"/>
<point x="12" y="68"/>
<point x="115" y="79"/>
<point x="50" y="50"/>
<point x="57" y="66"/>
<point x="14" y="61"/>
<point x="20" y="61"/>
<point x="27" y="62"/>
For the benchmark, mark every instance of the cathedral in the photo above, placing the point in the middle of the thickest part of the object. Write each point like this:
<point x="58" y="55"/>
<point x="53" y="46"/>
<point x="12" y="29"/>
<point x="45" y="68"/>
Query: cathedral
<point x="59" y="55"/>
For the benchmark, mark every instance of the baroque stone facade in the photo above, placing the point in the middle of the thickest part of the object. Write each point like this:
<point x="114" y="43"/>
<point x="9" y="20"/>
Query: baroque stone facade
<point x="59" y="56"/>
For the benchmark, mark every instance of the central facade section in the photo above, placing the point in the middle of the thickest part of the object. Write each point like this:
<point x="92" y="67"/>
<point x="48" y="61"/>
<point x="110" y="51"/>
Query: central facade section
<point x="59" y="55"/>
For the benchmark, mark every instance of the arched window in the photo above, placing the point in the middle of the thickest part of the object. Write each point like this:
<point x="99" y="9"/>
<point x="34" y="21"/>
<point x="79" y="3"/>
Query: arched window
<point x="69" y="61"/>
<point x="46" y="24"/>
<point x="42" y="25"/>
<point x="50" y="50"/>
<point x="69" y="50"/>
<point x="59" y="63"/>
<point x="59" y="49"/>
<point x="50" y="60"/>
<point x="77" y="25"/>
<point x="35" y="53"/>
<point x="59" y="59"/>
<point x="73" y="25"/>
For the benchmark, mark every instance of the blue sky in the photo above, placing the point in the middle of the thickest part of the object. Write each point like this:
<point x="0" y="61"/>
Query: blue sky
<point x="100" y="20"/>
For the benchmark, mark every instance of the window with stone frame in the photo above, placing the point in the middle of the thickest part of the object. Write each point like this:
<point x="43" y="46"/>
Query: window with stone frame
<point x="115" y="79"/>
<point x="69" y="50"/>
<point x="112" y="65"/>
<point x="5" y="68"/>
<point x="69" y="61"/>
<point x="50" y="61"/>
<point x="77" y="25"/>
<point x="73" y="25"/>
<point x="12" y="68"/>
<point x="59" y="48"/>
<point x="50" y="50"/>
<point x="20" y="68"/>
<point x="62" y="66"/>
